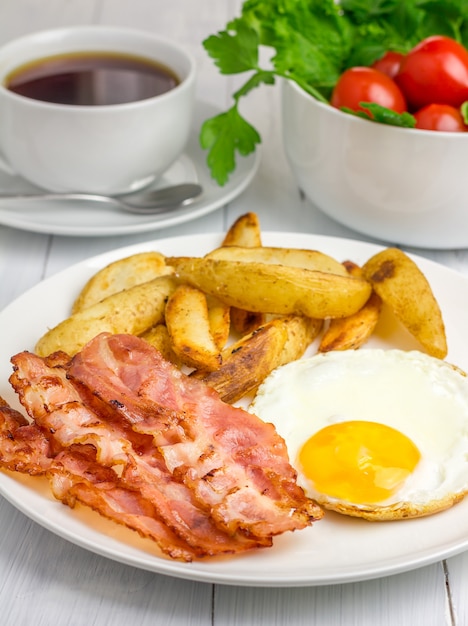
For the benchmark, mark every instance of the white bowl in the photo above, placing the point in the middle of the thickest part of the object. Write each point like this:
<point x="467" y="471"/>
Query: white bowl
<point x="400" y="185"/>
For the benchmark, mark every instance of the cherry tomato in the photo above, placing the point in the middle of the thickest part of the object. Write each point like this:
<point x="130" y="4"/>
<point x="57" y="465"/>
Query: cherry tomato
<point x="440" y="117"/>
<point x="366" y="84"/>
<point x="435" y="71"/>
<point x="389" y="63"/>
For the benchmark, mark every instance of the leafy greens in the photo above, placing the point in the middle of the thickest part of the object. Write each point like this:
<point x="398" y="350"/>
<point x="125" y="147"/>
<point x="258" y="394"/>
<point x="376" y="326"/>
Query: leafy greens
<point x="312" y="43"/>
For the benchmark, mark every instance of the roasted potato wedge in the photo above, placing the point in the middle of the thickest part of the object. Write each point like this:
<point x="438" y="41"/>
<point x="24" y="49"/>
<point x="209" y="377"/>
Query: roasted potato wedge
<point x="119" y="275"/>
<point x="291" y="257"/>
<point x="247" y="362"/>
<point x="350" y="333"/>
<point x="274" y="288"/>
<point x="352" y="268"/>
<point x="397" y="279"/>
<point x="189" y="329"/>
<point x="244" y="322"/>
<point x="301" y="332"/>
<point x="130" y="311"/>
<point x="158" y="337"/>
<point x="245" y="231"/>
<point x="219" y="319"/>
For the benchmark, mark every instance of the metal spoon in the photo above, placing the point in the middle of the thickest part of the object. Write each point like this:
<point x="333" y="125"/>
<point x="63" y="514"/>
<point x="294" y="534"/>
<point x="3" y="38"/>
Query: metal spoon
<point x="141" y="202"/>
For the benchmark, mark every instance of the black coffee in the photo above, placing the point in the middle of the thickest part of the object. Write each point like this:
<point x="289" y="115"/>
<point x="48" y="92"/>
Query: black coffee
<point x="91" y="79"/>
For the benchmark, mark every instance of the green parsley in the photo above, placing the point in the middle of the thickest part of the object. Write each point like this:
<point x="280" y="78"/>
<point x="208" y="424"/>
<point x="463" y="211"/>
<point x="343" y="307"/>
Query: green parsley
<point x="312" y="43"/>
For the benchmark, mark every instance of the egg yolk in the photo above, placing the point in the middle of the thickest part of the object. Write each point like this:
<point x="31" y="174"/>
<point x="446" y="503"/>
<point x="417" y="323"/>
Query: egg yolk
<point x="357" y="461"/>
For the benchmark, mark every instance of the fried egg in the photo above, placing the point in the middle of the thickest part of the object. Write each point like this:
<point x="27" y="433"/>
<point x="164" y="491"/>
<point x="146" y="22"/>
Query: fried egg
<point x="378" y="434"/>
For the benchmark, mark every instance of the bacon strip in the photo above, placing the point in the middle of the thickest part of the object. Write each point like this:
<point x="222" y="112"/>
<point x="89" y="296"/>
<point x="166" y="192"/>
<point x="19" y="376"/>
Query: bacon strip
<point x="53" y="402"/>
<point x="76" y="475"/>
<point x="23" y="446"/>
<point x="235" y="464"/>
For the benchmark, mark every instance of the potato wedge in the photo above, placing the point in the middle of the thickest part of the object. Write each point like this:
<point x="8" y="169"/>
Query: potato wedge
<point x="219" y="319"/>
<point x="247" y="362"/>
<point x="130" y="311"/>
<point x="244" y="322"/>
<point x="291" y="257"/>
<point x="158" y="337"/>
<point x="400" y="283"/>
<point x="301" y="332"/>
<point x="350" y="333"/>
<point x="245" y="231"/>
<point x="274" y="288"/>
<point x="352" y="268"/>
<point x="189" y="329"/>
<point x="119" y="275"/>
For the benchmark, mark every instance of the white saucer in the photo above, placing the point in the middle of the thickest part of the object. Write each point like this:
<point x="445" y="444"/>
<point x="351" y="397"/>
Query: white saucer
<point x="69" y="218"/>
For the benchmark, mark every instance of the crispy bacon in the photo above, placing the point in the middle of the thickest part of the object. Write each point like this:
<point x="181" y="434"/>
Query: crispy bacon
<point x="23" y="446"/>
<point x="124" y="432"/>
<point x="75" y="475"/>
<point x="54" y="403"/>
<point x="236" y="465"/>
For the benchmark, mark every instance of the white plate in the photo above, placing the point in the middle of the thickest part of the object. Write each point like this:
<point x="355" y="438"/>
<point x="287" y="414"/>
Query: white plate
<point x="79" y="219"/>
<point x="336" y="549"/>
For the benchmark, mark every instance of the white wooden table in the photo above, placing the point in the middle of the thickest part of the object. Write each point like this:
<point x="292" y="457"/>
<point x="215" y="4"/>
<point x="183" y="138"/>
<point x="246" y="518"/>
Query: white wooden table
<point x="44" y="579"/>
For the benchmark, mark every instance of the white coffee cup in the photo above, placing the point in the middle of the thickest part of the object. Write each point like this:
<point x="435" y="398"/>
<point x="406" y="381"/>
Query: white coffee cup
<point x="107" y="149"/>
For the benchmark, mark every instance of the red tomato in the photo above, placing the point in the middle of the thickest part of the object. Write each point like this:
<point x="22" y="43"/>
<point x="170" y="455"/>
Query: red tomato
<point x="435" y="71"/>
<point x="366" y="84"/>
<point x="440" y="117"/>
<point x="390" y="63"/>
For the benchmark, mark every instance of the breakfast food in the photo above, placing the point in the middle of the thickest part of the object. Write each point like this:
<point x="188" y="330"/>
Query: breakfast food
<point x="350" y="333"/>
<point x="378" y="434"/>
<point x="273" y="288"/>
<point x="130" y="399"/>
<point x="119" y="275"/>
<point x="202" y="477"/>
<point x="399" y="282"/>
<point x="133" y="310"/>
<point x="188" y="325"/>
<point x="243" y="309"/>
<point x="244" y="232"/>
<point x="248" y="361"/>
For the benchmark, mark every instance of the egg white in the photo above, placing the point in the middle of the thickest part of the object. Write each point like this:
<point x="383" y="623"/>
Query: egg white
<point x="424" y="398"/>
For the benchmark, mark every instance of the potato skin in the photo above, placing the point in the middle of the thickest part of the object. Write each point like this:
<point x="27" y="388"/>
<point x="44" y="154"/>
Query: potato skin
<point x="289" y="257"/>
<point x="352" y="332"/>
<point x="119" y="275"/>
<point x="247" y="362"/>
<point x="397" y="279"/>
<point x="266" y="288"/>
<point x="188" y="326"/>
<point x="245" y="231"/>
<point x="130" y="311"/>
<point x="158" y="337"/>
